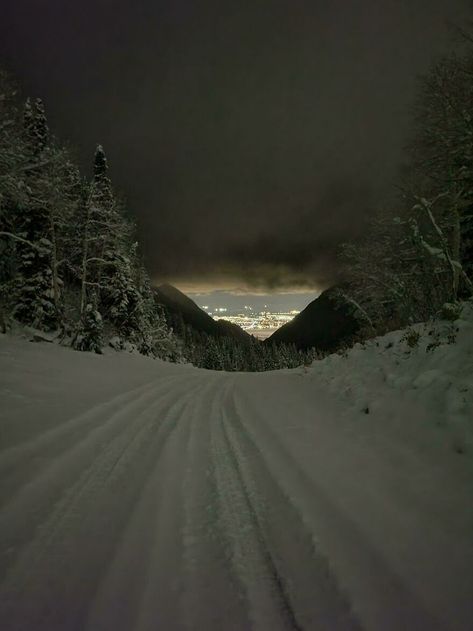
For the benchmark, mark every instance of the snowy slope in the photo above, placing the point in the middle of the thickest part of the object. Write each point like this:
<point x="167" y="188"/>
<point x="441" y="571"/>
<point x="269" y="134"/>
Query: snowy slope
<point x="136" y="494"/>
<point x="419" y="380"/>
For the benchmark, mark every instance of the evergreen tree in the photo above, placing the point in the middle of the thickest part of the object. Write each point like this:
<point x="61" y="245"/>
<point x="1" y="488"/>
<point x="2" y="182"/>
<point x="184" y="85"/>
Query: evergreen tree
<point x="34" y="252"/>
<point x="35" y="126"/>
<point x="99" y="228"/>
<point x="28" y="122"/>
<point x="149" y="329"/>
<point x="90" y="334"/>
<point x="212" y="359"/>
<point x="121" y="300"/>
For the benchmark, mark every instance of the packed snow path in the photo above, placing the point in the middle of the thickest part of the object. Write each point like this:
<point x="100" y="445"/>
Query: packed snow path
<point x="138" y="495"/>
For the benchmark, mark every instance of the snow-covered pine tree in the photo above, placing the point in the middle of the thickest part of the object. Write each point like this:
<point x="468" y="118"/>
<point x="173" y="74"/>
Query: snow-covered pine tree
<point x="275" y="356"/>
<point x="28" y="124"/>
<point x="147" y="327"/>
<point x="195" y="347"/>
<point x="99" y="226"/>
<point x="238" y="357"/>
<point x="13" y="151"/>
<point x="226" y="351"/>
<point x="12" y="157"/>
<point x="90" y="335"/>
<point x="121" y="301"/>
<point x="268" y="360"/>
<point x="212" y="359"/>
<point x="35" y="126"/>
<point x="35" y="304"/>
<point x="256" y="359"/>
<point x="108" y="263"/>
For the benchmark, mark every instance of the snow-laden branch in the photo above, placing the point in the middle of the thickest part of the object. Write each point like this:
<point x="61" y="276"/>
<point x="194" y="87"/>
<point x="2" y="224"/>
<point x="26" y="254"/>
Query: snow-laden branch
<point x="347" y="298"/>
<point x="97" y="259"/>
<point x="15" y="237"/>
<point x="442" y="253"/>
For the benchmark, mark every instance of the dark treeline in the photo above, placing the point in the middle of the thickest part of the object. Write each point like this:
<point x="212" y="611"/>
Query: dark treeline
<point x="71" y="263"/>
<point x="227" y="353"/>
<point x="69" y="258"/>
<point x="418" y="256"/>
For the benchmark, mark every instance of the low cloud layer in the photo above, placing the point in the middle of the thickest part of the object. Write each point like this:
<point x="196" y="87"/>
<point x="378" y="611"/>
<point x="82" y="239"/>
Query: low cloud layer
<point x="250" y="138"/>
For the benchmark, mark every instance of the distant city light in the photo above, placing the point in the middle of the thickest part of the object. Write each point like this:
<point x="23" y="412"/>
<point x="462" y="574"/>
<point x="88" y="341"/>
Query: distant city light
<point x="261" y="324"/>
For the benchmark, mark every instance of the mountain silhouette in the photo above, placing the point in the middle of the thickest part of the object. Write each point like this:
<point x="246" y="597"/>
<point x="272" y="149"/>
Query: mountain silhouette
<point x="177" y="305"/>
<point x="325" y="324"/>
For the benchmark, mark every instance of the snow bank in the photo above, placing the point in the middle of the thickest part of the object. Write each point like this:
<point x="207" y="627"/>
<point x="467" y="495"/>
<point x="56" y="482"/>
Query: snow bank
<point x="418" y="382"/>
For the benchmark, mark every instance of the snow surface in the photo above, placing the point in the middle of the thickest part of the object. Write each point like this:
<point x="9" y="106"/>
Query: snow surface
<point x="137" y="494"/>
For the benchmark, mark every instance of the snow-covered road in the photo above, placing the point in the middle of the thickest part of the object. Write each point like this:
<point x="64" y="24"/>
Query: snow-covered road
<point x="139" y="495"/>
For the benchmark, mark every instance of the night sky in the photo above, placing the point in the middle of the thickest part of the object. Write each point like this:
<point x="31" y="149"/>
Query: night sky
<point x="250" y="137"/>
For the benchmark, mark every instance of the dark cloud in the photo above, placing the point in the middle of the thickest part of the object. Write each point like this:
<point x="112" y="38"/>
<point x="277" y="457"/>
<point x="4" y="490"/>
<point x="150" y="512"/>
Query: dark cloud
<point x="250" y="137"/>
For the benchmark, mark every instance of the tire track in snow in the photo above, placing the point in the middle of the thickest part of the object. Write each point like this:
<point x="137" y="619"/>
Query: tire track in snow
<point x="151" y="535"/>
<point x="341" y="537"/>
<point x="77" y="538"/>
<point x="30" y="506"/>
<point x="267" y="605"/>
<point x="19" y="463"/>
<point x="161" y="601"/>
<point x="212" y="597"/>
<point x="308" y="590"/>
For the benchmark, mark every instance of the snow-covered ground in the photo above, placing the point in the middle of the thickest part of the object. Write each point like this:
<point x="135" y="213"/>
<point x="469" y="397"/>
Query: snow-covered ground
<point x="139" y="495"/>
